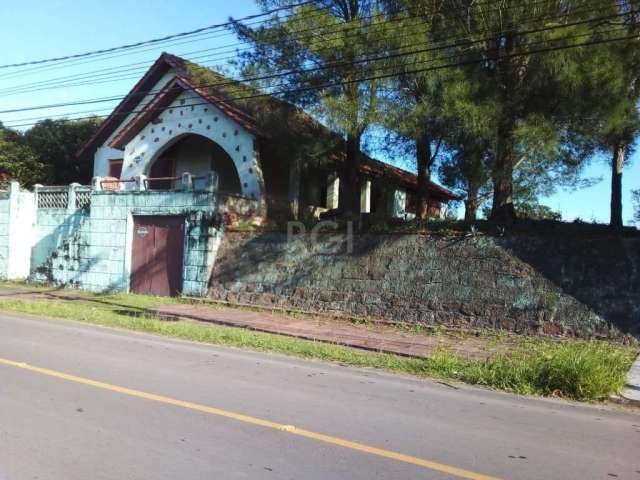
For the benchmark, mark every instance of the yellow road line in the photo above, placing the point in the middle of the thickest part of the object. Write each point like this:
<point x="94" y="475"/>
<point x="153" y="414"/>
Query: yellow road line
<point x="341" y="442"/>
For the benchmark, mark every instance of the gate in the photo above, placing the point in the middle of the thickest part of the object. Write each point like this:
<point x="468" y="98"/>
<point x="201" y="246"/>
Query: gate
<point x="156" y="256"/>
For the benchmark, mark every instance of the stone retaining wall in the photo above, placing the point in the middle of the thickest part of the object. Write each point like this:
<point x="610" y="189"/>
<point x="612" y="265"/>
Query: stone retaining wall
<point x="527" y="284"/>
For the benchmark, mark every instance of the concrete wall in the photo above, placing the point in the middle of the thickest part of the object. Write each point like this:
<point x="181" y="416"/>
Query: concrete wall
<point x="17" y="215"/>
<point x="4" y="234"/>
<point x="111" y="235"/>
<point x="530" y="284"/>
<point x="22" y="218"/>
<point x="58" y="253"/>
<point x="69" y="243"/>
<point x="101" y="160"/>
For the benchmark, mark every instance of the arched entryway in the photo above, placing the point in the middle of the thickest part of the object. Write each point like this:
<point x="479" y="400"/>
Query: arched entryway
<point x="198" y="156"/>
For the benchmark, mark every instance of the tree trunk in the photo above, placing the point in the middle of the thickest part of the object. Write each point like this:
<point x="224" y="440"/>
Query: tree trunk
<point x="502" y="210"/>
<point x="351" y="191"/>
<point x="471" y="204"/>
<point x="424" y="161"/>
<point x="617" y="164"/>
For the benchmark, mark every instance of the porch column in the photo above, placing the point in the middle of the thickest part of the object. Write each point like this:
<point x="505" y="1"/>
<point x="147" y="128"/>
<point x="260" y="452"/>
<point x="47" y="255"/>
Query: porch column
<point x="365" y="197"/>
<point x="398" y="203"/>
<point x="187" y="181"/>
<point x="294" y="189"/>
<point x="333" y="191"/>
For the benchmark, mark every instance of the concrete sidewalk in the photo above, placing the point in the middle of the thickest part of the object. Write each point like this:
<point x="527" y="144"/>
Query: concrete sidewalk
<point x="371" y="336"/>
<point x="374" y="337"/>
<point x="632" y="392"/>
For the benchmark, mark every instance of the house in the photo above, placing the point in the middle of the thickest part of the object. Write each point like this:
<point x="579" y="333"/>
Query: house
<point x="186" y="153"/>
<point x="272" y="160"/>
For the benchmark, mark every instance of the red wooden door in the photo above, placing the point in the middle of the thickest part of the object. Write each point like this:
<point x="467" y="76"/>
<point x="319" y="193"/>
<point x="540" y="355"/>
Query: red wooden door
<point x="156" y="257"/>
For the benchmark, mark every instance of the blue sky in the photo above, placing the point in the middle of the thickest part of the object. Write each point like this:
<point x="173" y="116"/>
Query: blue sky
<point x="33" y="29"/>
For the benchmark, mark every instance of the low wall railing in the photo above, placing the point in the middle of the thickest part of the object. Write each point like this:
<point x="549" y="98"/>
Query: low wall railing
<point x="73" y="197"/>
<point x="185" y="182"/>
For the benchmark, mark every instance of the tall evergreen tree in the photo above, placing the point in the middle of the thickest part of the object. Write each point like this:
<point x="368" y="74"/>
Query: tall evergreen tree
<point x="611" y="98"/>
<point x="322" y="46"/>
<point x="528" y="88"/>
<point x="416" y="106"/>
<point x="466" y="171"/>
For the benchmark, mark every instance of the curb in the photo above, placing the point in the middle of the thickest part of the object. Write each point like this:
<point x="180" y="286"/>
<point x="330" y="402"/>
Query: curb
<point x="622" y="400"/>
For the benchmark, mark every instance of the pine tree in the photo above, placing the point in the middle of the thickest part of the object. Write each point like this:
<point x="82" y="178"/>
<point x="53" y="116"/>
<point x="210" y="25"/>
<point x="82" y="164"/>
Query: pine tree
<point x="323" y="47"/>
<point x="527" y="88"/>
<point x="613" y="94"/>
<point x="416" y="103"/>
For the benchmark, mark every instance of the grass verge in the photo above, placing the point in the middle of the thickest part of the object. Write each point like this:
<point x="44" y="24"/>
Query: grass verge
<point x="579" y="370"/>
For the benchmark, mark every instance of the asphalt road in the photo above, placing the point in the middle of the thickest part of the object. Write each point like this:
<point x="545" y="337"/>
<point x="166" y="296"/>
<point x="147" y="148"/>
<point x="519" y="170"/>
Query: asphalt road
<point x="81" y="402"/>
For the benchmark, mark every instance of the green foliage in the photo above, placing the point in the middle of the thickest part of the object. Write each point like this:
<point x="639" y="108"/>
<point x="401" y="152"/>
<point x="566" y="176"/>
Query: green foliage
<point x="576" y="369"/>
<point x="536" y="211"/>
<point x="55" y="143"/>
<point x="516" y="113"/>
<point x="291" y="43"/>
<point x="18" y="161"/>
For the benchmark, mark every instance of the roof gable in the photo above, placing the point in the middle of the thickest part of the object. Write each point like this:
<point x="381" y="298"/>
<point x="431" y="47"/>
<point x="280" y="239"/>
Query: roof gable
<point x="164" y="98"/>
<point x="182" y="82"/>
<point x="161" y="66"/>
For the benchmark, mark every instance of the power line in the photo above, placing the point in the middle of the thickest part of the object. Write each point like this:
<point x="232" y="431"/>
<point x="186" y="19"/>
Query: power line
<point x="291" y="35"/>
<point x="75" y="62"/>
<point x="152" y="41"/>
<point x="324" y="67"/>
<point x="88" y="78"/>
<point x="339" y="29"/>
<point x="391" y="75"/>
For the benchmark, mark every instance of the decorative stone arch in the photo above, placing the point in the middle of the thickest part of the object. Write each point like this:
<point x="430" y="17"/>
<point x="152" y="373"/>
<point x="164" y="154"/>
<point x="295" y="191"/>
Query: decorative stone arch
<point x="188" y="115"/>
<point x="218" y="160"/>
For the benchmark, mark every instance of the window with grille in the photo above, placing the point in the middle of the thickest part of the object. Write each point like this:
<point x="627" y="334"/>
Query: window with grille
<point x="53" y="199"/>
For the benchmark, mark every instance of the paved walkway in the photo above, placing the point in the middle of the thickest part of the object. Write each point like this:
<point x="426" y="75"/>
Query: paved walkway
<point x="373" y="337"/>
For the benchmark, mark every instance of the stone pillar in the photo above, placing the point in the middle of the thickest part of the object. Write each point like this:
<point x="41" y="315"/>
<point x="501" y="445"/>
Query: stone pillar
<point x="21" y="227"/>
<point x="294" y="189"/>
<point x="71" y="197"/>
<point x="333" y="191"/>
<point x="365" y="197"/>
<point x="14" y="190"/>
<point x="96" y="183"/>
<point x="36" y="189"/>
